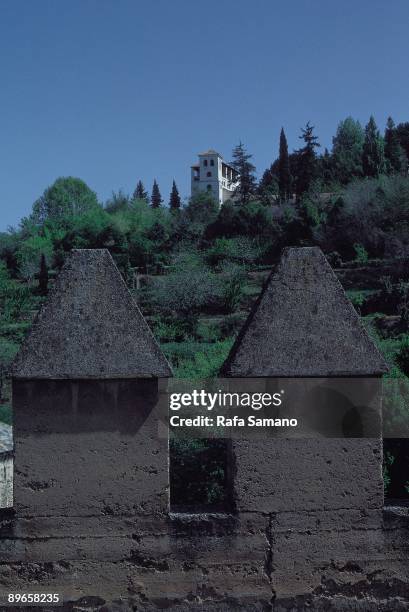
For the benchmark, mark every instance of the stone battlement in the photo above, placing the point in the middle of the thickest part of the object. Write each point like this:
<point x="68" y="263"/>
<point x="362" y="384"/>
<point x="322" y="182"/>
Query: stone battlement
<point x="91" y="517"/>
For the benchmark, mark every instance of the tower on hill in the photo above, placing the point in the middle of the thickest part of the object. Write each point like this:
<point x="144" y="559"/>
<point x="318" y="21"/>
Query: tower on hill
<point x="212" y="174"/>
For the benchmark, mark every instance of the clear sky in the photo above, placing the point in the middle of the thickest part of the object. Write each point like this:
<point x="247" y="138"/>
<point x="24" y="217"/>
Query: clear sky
<point x="116" y="90"/>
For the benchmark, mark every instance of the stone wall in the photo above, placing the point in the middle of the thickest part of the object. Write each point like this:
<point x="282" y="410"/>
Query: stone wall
<point x="347" y="560"/>
<point x="91" y="516"/>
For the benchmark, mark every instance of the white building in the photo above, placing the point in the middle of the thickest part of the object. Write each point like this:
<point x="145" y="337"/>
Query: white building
<point x="215" y="175"/>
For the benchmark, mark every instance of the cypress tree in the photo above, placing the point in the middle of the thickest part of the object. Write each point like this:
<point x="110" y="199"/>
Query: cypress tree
<point x="284" y="175"/>
<point x="43" y="276"/>
<point x="174" y="200"/>
<point x="156" y="198"/>
<point x="373" y="154"/>
<point x="247" y="181"/>
<point x="140" y="193"/>
<point x="394" y="154"/>
<point x="306" y="158"/>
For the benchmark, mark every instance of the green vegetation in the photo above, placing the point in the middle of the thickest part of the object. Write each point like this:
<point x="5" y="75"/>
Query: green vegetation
<point x="198" y="475"/>
<point x="196" y="269"/>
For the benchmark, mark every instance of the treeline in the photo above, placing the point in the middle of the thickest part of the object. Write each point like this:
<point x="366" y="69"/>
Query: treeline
<point x="357" y="152"/>
<point x="352" y="201"/>
<point x="197" y="255"/>
<point x="200" y="259"/>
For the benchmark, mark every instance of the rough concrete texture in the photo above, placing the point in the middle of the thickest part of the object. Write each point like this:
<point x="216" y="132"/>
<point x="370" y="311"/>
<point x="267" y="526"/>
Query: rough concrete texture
<point x="303" y="325"/>
<point x="90" y="327"/>
<point x="309" y="531"/>
<point x="283" y="561"/>
<point x="273" y="476"/>
<point x="103" y="439"/>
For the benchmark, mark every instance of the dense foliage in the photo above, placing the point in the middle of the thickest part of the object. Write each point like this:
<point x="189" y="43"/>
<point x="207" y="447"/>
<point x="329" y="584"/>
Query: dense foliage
<point x="195" y="268"/>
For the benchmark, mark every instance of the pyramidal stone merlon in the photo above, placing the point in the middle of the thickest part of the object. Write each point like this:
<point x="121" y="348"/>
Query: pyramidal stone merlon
<point x="90" y="327"/>
<point x="303" y="325"/>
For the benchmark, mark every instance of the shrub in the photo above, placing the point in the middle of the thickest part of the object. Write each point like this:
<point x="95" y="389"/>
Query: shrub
<point x="242" y="250"/>
<point x="232" y="287"/>
<point x="198" y="473"/>
<point x="361" y="255"/>
<point x="197" y="360"/>
<point x="30" y="253"/>
<point x="201" y="209"/>
<point x="208" y="331"/>
<point x="189" y="289"/>
<point x="15" y="298"/>
<point x="252" y="219"/>
<point x="171" y="329"/>
<point x="357" y="298"/>
<point x="375" y="213"/>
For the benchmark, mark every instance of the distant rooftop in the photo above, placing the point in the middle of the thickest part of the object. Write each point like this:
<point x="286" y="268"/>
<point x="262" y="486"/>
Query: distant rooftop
<point x="211" y="152"/>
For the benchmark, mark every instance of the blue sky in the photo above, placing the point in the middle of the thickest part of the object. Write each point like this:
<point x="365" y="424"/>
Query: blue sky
<point x="116" y="90"/>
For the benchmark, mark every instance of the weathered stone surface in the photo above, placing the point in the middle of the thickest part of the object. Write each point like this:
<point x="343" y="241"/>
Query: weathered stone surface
<point x="103" y="437"/>
<point x="184" y="564"/>
<point x="90" y="327"/>
<point x="284" y="561"/>
<point x="309" y="474"/>
<point x="92" y="520"/>
<point x="303" y="325"/>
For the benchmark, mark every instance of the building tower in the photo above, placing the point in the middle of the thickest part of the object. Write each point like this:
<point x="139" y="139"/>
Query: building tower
<point x="212" y="174"/>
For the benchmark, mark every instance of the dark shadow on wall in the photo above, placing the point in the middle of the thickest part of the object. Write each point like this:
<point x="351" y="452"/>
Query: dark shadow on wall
<point x="66" y="406"/>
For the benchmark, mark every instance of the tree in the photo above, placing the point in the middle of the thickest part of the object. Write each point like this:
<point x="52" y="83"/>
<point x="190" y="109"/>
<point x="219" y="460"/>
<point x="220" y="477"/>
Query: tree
<point x="267" y="188"/>
<point x="202" y="208"/>
<point x="306" y="160"/>
<point x="284" y="175"/>
<point x="245" y="169"/>
<point x="43" y="276"/>
<point x="30" y="252"/>
<point x="174" y="201"/>
<point x="347" y="150"/>
<point x="326" y="169"/>
<point x="373" y="155"/>
<point x="140" y="193"/>
<point x="67" y="197"/>
<point x="402" y="132"/>
<point x="395" y="155"/>
<point x="118" y="202"/>
<point x="156" y="198"/>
